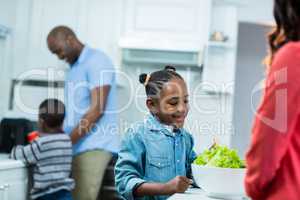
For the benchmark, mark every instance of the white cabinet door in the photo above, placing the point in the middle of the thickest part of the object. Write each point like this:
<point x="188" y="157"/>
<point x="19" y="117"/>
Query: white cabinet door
<point x="100" y="24"/>
<point x="96" y="23"/>
<point x="163" y="20"/>
<point x="2" y="190"/>
<point x="5" y="192"/>
<point x="220" y="63"/>
<point x="16" y="189"/>
<point x="13" y="183"/>
<point x="45" y="15"/>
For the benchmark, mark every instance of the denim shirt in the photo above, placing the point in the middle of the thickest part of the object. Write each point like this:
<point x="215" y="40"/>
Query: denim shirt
<point x="150" y="152"/>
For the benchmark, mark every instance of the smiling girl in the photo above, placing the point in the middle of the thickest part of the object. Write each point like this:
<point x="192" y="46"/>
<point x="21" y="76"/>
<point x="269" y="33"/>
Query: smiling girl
<point x="156" y="155"/>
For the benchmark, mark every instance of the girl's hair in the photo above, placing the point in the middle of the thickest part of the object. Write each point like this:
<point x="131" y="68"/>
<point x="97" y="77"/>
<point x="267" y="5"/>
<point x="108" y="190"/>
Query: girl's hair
<point x="287" y="17"/>
<point x="154" y="82"/>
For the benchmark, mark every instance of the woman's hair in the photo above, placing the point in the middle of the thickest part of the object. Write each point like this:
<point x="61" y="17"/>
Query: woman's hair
<point x="287" y="18"/>
<point x="154" y="82"/>
<point x="52" y="111"/>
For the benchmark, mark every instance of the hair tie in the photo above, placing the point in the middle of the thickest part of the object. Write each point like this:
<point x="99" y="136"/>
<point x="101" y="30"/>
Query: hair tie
<point x="147" y="79"/>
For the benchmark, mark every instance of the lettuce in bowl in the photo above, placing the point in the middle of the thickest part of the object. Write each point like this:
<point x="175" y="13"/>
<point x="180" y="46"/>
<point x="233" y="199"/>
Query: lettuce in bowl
<point x="220" y="156"/>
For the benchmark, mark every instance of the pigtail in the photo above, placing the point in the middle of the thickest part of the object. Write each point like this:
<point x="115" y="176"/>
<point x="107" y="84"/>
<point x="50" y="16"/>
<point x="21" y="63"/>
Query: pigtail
<point x="170" y="68"/>
<point x="142" y="78"/>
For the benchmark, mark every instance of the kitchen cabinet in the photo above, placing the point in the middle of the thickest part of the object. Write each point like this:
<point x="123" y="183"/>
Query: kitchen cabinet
<point x="165" y="27"/>
<point x="100" y="25"/>
<point x="13" y="190"/>
<point x="13" y="179"/>
<point x="167" y="21"/>
<point x="220" y="56"/>
<point x="192" y="25"/>
<point x="44" y="16"/>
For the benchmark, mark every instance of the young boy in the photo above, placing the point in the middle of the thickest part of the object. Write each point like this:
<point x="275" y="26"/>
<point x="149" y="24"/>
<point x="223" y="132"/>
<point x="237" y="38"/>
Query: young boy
<point x="50" y="155"/>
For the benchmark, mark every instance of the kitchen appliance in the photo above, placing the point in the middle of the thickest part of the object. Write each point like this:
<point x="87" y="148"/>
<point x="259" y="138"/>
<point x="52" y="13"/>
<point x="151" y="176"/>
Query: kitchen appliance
<point x="14" y="132"/>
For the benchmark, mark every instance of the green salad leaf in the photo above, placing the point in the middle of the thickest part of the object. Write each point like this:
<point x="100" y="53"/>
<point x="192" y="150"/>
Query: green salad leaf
<point x="220" y="156"/>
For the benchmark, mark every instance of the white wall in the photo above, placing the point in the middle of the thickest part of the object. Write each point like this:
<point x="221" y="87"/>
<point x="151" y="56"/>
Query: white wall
<point x="2" y="75"/>
<point x="256" y="11"/>
<point x="8" y="12"/>
<point x="250" y="71"/>
<point x="8" y="19"/>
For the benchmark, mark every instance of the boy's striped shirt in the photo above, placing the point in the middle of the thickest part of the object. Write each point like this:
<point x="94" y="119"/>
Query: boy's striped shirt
<point x="51" y="157"/>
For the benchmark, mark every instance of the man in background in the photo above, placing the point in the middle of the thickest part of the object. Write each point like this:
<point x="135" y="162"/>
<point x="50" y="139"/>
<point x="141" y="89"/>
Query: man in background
<point x="91" y="118"/>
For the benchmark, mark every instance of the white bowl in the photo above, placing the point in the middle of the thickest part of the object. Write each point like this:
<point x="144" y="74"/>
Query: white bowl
<point x="220" y="182"/>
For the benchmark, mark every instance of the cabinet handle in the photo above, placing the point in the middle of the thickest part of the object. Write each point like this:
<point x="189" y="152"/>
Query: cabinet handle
<point x="6" y="186"/>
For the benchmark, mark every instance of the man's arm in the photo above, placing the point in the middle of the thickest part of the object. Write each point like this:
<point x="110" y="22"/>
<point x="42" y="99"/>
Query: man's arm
<point x="96" y="110"/>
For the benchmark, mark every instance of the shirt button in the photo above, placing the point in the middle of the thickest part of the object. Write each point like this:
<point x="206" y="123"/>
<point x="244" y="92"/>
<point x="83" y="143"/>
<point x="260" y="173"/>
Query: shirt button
<point x="178" y="160"/>
<point x="158" y="164"/>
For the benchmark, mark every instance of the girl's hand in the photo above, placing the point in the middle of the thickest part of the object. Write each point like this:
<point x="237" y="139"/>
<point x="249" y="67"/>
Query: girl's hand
<point x="178" y="185"/>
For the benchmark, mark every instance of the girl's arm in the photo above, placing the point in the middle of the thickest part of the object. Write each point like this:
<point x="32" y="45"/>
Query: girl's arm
<point x="129" y="172"/>
<point x="129" y="169"/>
<point x="177" y="185"/>
<point x="274" y="124"/>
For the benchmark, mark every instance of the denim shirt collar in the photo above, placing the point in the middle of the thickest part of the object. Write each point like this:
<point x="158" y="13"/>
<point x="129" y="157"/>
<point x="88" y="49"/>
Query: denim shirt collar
<point x="154" y="124"/>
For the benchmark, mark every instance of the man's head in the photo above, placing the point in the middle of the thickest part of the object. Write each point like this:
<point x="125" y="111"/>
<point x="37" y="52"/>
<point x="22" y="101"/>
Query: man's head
<point x="51" y="115"/>
<point x="63" y="42"/>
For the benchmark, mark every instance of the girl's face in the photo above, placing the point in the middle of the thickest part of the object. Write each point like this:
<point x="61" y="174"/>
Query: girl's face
<point x="172" y="106"/>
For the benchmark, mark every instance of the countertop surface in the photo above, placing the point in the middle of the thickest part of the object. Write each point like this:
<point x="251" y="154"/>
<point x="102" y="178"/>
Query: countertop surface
<point x="7" y="163"/>
<point x="197" y="194"/>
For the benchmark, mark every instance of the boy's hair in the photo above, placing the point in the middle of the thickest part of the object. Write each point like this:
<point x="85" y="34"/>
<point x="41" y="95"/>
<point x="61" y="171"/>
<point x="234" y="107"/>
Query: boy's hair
<point x="155" y="81"/>
<point x="52" y="111"/>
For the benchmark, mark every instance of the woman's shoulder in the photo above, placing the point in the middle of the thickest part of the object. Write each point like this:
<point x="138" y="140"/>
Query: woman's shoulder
<point x="287" y="58"/>
<point x="290" y="52"/>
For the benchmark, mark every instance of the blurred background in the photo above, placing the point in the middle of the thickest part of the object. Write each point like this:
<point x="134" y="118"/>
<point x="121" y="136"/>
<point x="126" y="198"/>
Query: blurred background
<point x="217" y="45"/>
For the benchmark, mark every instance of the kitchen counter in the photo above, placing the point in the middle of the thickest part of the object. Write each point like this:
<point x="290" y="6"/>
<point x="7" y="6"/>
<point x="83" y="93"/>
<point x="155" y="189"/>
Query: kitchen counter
<point x="13" y="179"/>
<point x="197" y="194"/>
<point x="7" y="163"/>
